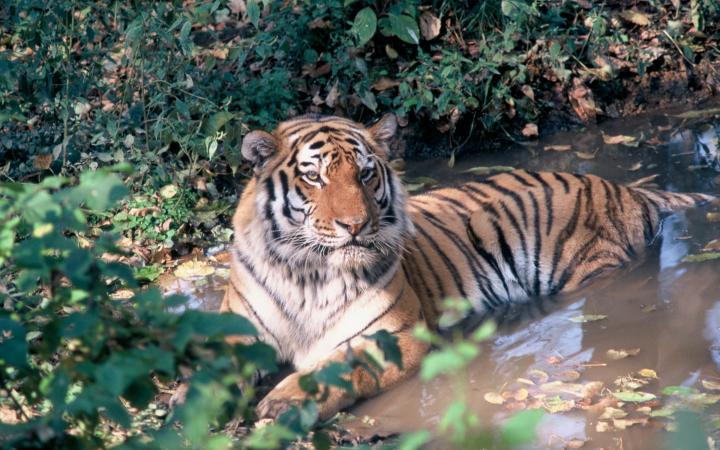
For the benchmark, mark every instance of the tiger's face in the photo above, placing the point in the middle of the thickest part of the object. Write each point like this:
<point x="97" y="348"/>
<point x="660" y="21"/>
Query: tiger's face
<point x="325" y="192"/>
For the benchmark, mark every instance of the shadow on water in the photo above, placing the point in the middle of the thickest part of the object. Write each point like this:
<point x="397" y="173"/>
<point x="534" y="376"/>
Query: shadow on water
<point x="667" y="308"/>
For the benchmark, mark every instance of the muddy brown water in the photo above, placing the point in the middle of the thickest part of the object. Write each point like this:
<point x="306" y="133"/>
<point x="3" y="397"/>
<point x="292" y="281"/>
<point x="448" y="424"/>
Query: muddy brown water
<point x="667" y="308"/>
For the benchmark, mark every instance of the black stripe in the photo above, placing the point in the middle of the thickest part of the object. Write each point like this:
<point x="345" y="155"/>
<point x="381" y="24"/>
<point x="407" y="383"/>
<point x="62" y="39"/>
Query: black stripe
<point x="536" y="286"/>
<point x="562" y="181"/>
<point x="548" y="193"/>
<point x="507" y="254"/>
<point x="378" y="317"/>
<point x="561" y="240"/>
<point x="254" y="313"/>
<point x="520" y="179"/>
<point x="516" y="198"/>
<point x="488" y="257"/>
<point x="269" y="215"/>
<point x="450" y="266"/>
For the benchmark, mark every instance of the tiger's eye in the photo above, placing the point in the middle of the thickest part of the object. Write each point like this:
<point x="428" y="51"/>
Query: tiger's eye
<point x="366" y="173"/>
<point x="312" y="175"/>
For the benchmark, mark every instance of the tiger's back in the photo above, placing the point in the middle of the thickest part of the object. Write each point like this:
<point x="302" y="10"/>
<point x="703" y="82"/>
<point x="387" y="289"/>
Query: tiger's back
<point x="522" y="234"/>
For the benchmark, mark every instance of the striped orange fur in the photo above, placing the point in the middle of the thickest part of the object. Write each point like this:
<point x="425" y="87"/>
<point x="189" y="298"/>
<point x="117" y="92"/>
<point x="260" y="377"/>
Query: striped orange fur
<point x="329" y="247"/>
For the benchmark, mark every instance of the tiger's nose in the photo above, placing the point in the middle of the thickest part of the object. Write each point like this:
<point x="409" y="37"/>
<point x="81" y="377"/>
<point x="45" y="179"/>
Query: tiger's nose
<point x="352" y="226"/>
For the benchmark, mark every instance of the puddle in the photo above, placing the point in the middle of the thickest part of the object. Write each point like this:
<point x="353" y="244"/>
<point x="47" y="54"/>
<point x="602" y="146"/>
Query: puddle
<point x="667" y="308"/>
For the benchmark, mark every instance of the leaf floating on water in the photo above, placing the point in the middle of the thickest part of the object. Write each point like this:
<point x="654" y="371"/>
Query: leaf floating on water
<point x="635" y="167"/>
<point x="602" y="427"/>
<point x="558" y="148"/>
<point x="556" y="404"/>
<point x="634" y="396"/>
<point x="713" y="217"/>
<point x="530" y="130"/>
<point x="622" y="424"/>
<point x="711" y="385"/>
<point x="521" y="394"/>
<point x="588" y="318"/>
<point x="711" y="246"/>
<point x="194" y="269"/>
<point x="585" y="155"/>
<point x="648" y="373"/>
<point x="708" y="256"/>
<point x="620" y="139"/>
<point x="485" y="170"/>
<point x="538" y="376"/>
<point x="662" y="412"/>
<point x="494" y="398"/>
<point x="699" y="113"/>
<point x="622" y="353"/>
<point x="679" y="390"/>
<point x="613" y="413"/>
<point x="526" y="381"/>
<point x="569" y="375"/>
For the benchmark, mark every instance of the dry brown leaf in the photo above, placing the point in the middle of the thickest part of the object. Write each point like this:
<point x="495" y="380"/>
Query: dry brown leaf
<point x="613" y="413"/>
<point x="622" y="353"/>
<point x="538" y="376"/>
<point x="528" y="91"/>
<point x="602" y="427"/>
<point x="385" y="83"/>
<point x="585" y="155"/>
<point x="619" y="139"/>
<point x="648" y="373"/>
<point x="574" y="444"/>
<point x="43" y="162"/>
<point x="494" y="398"/>
<point x="622" y="424"/>
<point x="194" y="269"/>
<point x="530" y="130"/>
<point x="713" y="217"/>
<point x="558" y="148"/>
<point x="711" y="385"/>
<point x="635" y="167"/>
<point x="568" y="375"/>
<point x="636" y="17"/>
<point x="582" y="102"/>
<point x="521" y="394"/>
<point x="712" y="246"/>
<point x="429" y="26"/>
<point x="556" y="405"/>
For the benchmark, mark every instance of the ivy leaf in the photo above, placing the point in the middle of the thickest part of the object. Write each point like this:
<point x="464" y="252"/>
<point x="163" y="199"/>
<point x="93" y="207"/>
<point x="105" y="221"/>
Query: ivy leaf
<point x="364" y="26"/>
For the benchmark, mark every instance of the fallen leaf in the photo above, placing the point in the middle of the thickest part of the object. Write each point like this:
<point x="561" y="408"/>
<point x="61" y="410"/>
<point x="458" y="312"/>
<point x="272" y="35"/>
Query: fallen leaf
<point x="699" y="113"/>
<point x="622" y="353"/>
<point x="569" y="375"/>
<point x="43" y="162"/>
<point x="635" y="167"/>
<point x="711" y="385"/>
<point x="528" y="91"/>
<point x="633" y="396"/>
<point x="494" y="398"/>
<point x="648" y="373"/>
<point x="429" y="26"/>
<point x="538" y="376"/>
<point x="662" y="412"/>
<point x="622" y="424"/>
<point x="713" y="245"/>
<point x="193" y="269"/>
<point x="602" y="427"/>
<point x="630" y="383"/>
<point x="585" y="155"/>
<point x="526" y="381"/>
<point x="530" y="130"/>
<point x="485" y="170"/>
<point x="385" y="83"/>
<point x="558" y="148"/>
<point x="574" y="444"/>
<point x="586" y="390"/>
<point x="713" y="217"/>
<point x="636" y="17"/>
<point x="613" y="413"/>
<point x="521" y="394"/>
<point x="619" y="139"/>
<point x="702" y="257"/>
<point x="168" y="191"/>
<point x="587" y="318"/>
<point x="582" y="101"/>
<point x="557" y="404"/>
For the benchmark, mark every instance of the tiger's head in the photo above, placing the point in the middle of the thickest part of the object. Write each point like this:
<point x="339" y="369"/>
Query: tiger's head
<point x="324" y="192"/>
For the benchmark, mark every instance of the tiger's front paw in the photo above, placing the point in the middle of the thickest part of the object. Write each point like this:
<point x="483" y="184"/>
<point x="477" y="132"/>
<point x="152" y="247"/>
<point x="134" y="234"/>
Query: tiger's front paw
<point x="280" y="399"/>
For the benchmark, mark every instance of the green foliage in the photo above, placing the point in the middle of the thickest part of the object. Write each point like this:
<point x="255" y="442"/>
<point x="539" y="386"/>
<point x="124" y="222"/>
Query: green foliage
<point x="74" y="360"/>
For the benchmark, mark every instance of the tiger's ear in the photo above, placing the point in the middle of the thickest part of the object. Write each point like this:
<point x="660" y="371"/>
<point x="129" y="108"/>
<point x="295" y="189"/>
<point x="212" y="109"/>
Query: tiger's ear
<point x="384" y="130"/>
<point x="257" y="147"/>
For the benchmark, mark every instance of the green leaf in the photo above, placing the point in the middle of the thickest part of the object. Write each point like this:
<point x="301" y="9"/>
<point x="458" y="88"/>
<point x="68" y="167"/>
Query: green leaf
<point x="405" y="28"/>
<point x="253" y="12"/>
<point x="633" y="396"/>
<point x="520" y="428"/>
<point x="701" y="257"/>
<point x="388" y="344"/>
<point x="415" y="440"/>
<point x="333" y="375"/>
<point x="216" y="121"/>
<point x="13" y="344"/>
<point x="364" y="26"/>
<point x="679" y="390"/>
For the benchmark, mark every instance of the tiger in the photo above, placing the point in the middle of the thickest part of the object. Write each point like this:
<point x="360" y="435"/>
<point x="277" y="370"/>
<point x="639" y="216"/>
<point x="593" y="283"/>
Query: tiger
<point x="330" y="248"/>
